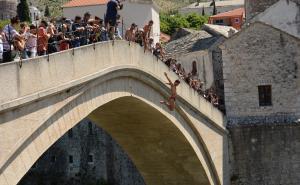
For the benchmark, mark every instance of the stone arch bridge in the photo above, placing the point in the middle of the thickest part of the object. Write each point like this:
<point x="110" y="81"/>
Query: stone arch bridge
<point x="119" y="87"/>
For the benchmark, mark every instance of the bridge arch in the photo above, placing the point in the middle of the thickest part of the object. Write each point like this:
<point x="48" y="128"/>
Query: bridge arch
<point x="116" y="93"/>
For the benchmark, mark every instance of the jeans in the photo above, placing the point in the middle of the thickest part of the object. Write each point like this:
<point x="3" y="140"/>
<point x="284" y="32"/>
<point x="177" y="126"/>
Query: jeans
<point x="24" y="54"/>
<point x="31" y="54"/>
<point x="75" y="43"/>
<point x="42" y="53"/>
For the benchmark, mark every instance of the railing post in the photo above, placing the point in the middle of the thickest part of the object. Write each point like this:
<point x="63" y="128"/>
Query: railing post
<point x="123" y="27"/>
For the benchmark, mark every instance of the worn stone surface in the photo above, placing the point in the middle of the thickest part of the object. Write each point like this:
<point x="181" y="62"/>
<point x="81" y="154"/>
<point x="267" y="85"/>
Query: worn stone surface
<point x="261" y="55"/>
<point x="189" y="41"/>
<point x="266" y="155"/>
<point x="110" y="163"/>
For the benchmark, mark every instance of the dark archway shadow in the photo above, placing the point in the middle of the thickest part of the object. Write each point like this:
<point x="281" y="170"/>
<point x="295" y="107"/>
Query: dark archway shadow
<point x="160" y="151"/>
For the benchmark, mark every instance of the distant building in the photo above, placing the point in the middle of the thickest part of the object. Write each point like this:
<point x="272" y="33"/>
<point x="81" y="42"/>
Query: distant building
<point x="222" y="6"/>
<point x="8" y="9"/>
<point x="289" y="21"/>
<point x="34" y="14"/>
<point x="256" y="7"/>
<point x="134" y="11"/>
<point x="234" y="18"/>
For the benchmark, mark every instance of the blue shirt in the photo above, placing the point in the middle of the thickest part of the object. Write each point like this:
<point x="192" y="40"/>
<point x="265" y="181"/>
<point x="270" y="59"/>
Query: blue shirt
<point x="112" y="9"/>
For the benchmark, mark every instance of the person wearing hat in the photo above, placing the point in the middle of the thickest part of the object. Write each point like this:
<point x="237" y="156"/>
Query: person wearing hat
<point x="130" y="33"/>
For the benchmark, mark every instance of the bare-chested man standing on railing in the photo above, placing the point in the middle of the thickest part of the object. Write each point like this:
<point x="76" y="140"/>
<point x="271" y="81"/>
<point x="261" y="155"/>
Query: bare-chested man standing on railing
<point x="171" y="101"/>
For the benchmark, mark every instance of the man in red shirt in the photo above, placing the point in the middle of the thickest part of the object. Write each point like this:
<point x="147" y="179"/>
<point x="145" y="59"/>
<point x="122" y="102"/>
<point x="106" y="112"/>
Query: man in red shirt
<point x="42" y="40"/>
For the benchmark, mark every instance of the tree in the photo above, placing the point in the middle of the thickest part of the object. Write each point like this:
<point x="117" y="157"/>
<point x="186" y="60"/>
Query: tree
<point x="203" y="11"/>
<point x="47" y="12"/>
<point x="213" y="3"/>
<point x="23" y="11"/>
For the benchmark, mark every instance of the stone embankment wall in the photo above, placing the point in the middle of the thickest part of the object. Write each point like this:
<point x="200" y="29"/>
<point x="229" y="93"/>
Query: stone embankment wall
<point x="85" y="155"/>
<point x="266" y="155"/>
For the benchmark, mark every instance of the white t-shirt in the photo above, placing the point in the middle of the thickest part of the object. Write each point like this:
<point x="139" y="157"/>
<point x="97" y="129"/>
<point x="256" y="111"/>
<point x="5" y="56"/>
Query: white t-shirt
<point x="8" y="34"/>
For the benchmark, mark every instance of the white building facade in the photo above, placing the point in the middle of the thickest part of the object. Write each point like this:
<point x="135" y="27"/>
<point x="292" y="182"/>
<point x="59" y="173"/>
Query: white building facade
<point x="34" y="14"/>
<point x="134" y="11"/>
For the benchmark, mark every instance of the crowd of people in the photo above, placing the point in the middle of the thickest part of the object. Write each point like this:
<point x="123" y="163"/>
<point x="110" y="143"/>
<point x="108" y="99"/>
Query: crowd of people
<point x="48" y="37"/>
<point x="29" y="41"/>
<point x="192" y="78"/>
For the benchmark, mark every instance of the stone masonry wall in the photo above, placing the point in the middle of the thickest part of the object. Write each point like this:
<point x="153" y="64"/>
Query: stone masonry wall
<point x="266" y="155"/>
<point x="254" y="7"/>
<point x="261" y="55"/>
<point x="110" y="164"/>
<point x="8" y="9"/>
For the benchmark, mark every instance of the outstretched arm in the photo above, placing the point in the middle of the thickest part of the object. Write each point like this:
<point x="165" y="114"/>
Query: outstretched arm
<point x="170" y="82"/>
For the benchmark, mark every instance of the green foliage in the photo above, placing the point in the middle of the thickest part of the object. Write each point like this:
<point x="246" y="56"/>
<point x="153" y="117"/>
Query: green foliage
<point x="23" y="11"/>
<point x="47" y="12"/>
<point x="169" y="23"/>
<point x="3" y="23"/>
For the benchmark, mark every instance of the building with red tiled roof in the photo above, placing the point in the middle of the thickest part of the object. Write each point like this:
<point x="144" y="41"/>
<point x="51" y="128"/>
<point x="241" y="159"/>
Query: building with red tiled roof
<point x="134" y="11"/>
<point x="234" y="18"/>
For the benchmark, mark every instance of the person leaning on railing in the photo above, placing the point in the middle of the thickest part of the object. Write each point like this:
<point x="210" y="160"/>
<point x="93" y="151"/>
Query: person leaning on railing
<point x="43" y="36"/>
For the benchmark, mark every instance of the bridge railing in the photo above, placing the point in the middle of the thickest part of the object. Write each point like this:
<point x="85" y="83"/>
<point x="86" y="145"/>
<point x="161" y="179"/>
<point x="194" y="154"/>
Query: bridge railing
<point x="46" y="75"/>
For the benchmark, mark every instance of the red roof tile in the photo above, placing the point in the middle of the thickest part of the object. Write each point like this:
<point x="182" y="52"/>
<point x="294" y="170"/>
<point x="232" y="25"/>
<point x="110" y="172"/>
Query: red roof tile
<point x="77" y="3"/>
<point x="236" y="12"/>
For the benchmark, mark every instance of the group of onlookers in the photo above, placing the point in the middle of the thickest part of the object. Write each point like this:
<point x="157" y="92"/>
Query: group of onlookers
<point x="58" y="35"/>
<point x="28" y="41"/>
<point x="192" y="78"/>
<point x="50" y="37"/>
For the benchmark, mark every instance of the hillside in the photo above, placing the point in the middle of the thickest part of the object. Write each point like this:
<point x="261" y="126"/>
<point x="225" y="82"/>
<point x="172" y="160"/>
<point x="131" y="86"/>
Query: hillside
<point x="54" y="5"/>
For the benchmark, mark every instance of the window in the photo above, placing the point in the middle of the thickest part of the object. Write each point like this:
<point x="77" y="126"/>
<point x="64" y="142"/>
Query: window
<point x="53" y="159"/>
<point x="265" y="95"/>
<point x="90" y="158"/>
<point x="71" y="159"/>
<point x="237" y="20"/>
<point x="220" y="21"/>
<point x="70" y="133"/>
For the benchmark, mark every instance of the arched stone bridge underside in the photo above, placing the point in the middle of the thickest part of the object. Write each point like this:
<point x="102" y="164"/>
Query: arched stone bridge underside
<point x="119" y="87"/>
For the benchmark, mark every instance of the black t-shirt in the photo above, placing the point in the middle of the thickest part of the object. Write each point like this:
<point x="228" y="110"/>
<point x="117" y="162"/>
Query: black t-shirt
<point x="112" y="9"/>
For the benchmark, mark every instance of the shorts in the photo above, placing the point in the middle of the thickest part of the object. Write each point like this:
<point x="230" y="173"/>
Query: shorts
<point x="112" y="21"/>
